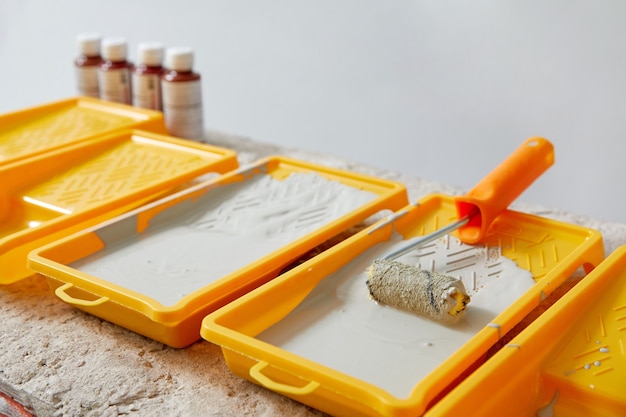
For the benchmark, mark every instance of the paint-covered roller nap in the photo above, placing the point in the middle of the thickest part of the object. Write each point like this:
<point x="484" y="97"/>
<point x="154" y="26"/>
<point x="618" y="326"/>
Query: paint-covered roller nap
<point x="429" y="294"/>
<point x="409" y="288"/>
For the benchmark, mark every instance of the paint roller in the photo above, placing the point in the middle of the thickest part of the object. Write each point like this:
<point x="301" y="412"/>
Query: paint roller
<point x="441" y="297"/>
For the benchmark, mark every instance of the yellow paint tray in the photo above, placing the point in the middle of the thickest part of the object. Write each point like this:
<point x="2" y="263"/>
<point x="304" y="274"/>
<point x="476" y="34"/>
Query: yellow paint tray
<point x="314" y="335"/>
<point x="571" y="361"/>
<point x="57" y="193"/>
<point x="50" y="126"/>
<point x="160" y="269"/>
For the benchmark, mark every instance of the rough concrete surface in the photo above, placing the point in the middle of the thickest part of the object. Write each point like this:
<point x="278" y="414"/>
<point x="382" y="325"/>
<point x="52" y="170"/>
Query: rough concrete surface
<point x="58" y="361"/>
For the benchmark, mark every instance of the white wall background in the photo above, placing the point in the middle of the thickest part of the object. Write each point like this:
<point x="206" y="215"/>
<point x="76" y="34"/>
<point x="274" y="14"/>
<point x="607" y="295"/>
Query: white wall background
<point x="442" y="90"/>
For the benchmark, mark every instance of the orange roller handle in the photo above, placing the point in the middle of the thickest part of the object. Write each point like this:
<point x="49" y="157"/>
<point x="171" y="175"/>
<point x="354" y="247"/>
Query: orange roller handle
<point x="494" y="193"/>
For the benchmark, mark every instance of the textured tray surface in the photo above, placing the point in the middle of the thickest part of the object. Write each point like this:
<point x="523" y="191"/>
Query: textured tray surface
<point x="124" y="169"/>
<point x="50" y="126"/>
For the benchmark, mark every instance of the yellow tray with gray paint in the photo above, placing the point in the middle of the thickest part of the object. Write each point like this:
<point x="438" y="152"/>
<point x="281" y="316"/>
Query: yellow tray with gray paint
<point x="314" y="335"/>
<point x="50" y="126"/>
<point x="159" y="270"/>
<point x="57" y="193"/>
<point x="570" y="362"/>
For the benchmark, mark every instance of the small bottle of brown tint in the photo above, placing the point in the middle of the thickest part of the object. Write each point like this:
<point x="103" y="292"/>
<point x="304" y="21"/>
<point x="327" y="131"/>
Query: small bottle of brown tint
<point x="87" y="63"/>
<point x="146" y="80"/>
<point x="114" y="74"/>
<point x="182" y="94"/>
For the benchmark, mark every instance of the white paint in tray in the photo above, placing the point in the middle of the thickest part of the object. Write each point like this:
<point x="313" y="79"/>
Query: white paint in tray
<point x="199" y="241"/>
<point x="339" y="326"/>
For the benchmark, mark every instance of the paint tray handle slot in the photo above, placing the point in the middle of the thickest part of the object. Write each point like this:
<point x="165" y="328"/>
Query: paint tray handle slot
<point x="257" y="374"/>
<point x="63" y="295"/>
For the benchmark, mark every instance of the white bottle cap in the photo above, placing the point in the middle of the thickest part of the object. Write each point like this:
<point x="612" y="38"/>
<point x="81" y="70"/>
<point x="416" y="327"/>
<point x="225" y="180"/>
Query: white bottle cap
<point x="179" y="59"/>
<point x="150" y="54"/>
<point x="114" y="49"/>
<point x="89" y="44"/>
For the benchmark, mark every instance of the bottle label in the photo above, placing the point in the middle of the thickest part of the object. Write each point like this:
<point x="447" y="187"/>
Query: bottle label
<point x="182" y="108"/>
<point x="115" y="85"/>
<point x="147" y="91"/>
<point x="87" y="81"/>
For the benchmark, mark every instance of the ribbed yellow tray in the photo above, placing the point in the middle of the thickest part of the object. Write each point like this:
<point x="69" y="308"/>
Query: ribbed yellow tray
<point x="550" y="250"/>
<point x="56" y="193"/>
<point x="571" y="361"/>
<point x="183" y="242"/>
<point x="50" y="126"/>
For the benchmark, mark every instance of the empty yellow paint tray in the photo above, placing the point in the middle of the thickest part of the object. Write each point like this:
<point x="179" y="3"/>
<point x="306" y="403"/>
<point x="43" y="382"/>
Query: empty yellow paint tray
<point x="315" y="335"/>
<point x="50" y="126"/>
<point x="57" y="193"/>
<point x="571" y="361"/>
<point x="160" y="269"/>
